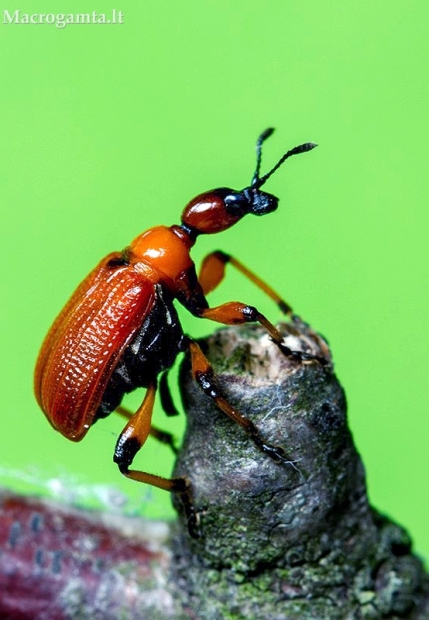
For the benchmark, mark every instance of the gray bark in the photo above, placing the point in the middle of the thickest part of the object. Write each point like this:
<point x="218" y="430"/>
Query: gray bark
<point x="285" y="541"/>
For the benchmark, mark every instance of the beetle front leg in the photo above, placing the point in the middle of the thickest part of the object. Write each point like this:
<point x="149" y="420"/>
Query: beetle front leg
<point x="129" y="443"/>
<point x="212" y="273"/>
<point x="191" y="295"/>
<point x="204" y="375"/>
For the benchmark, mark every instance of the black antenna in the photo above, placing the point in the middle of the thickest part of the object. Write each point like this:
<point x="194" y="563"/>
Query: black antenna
<point x="257" y="181"/>
<point x="264" y="135"/>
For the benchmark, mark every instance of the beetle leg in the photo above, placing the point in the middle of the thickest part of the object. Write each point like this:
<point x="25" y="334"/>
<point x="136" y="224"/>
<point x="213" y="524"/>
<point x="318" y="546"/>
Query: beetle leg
<point x="129" y="443"/>
<point x="154" y="431"/>
<point x="163" y="437"/>
<point x="213" y="271"/>
<point x="191" y="295"/>
<point x="205" y="377"/>
<point x="236" y="313"/>
<point x="211" y="275"/>
<point x="165" y="395"/>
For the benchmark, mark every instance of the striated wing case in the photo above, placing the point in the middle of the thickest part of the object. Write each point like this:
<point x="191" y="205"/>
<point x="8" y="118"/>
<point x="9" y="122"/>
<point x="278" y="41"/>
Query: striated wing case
<point x="85" y="342"/>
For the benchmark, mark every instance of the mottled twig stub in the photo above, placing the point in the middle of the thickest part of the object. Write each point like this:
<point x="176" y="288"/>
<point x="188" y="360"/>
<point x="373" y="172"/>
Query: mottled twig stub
<point x="278" y="541"/>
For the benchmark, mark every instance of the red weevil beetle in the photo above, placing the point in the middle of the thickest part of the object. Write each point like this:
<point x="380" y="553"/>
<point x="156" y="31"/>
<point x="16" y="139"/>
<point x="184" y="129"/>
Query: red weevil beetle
<point x="120" y="329"/>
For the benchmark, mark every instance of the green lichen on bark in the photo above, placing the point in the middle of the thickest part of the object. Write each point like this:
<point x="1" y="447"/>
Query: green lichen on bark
<point x="284" y="542"/>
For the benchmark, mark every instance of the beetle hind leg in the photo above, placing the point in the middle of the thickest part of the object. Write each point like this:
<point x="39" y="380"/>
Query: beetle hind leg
<point x="157" y="433"/>
<point x="129" y="443"/>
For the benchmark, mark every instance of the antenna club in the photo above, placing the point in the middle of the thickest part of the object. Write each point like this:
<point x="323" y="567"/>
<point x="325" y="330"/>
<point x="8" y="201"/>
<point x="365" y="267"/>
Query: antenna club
<point x="308" y="146"/>
<point x="258" y="181"/>
<point x="266" y="134"/>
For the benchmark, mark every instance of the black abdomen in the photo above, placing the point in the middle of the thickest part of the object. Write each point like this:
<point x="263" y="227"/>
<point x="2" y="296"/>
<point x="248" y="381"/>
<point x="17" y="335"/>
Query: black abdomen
<point x="153" y="349"/>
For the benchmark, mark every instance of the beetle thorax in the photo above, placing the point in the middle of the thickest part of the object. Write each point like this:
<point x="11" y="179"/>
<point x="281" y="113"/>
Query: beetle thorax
<point x="164" y="249"/>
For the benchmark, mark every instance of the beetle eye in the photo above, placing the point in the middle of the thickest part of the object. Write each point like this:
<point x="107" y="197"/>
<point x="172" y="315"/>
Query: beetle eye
<point x="236" y="204"/>
<point x="264" y="203"/>
<point x="260" y="203"/>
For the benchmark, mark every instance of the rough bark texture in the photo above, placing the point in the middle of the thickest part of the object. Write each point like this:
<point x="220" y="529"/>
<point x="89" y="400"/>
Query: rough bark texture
<point x="278" y="542"/>
<point x="286" y="542"/>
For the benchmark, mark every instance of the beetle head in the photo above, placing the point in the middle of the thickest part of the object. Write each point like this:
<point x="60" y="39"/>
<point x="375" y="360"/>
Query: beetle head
<point x="221" y="208"/>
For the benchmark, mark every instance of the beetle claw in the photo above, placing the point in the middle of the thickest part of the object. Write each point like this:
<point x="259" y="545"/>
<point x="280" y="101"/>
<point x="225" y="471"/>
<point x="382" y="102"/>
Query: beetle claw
<point x="193" y="521"/>
<point x="300" y="356"/>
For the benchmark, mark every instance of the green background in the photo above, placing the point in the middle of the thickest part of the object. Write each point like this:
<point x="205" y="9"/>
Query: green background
<point x="108" y="130"/>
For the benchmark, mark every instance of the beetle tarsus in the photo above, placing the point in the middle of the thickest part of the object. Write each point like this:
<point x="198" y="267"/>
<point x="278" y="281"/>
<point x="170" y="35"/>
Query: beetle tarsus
<point x="285" y="308"/>
<point x="300" y="356"/>
<point x="184" y="490"/>
<point x="276" y="454"/>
